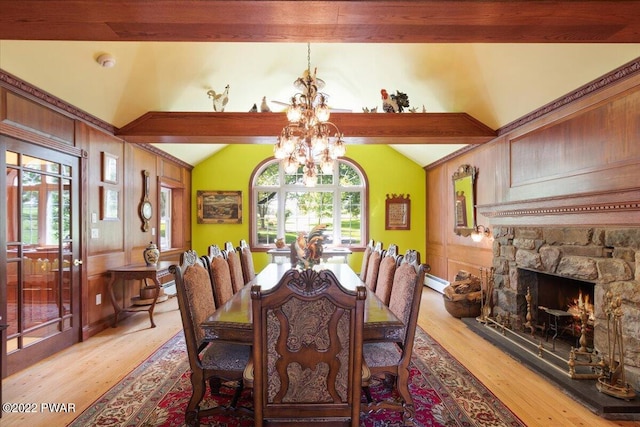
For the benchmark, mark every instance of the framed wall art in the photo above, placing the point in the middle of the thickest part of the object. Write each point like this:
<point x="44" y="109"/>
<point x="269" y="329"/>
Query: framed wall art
<point x="109" y="204"/>
<point x="397" y="212"/>
<point x="109" y="168"/>
<point x="219" y="207"/>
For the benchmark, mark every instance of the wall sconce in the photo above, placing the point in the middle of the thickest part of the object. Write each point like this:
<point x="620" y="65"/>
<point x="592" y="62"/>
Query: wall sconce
<point x="479" y="232"/>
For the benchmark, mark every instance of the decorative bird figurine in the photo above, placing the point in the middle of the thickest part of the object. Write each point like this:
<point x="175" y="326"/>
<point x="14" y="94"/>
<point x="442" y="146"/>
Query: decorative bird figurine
<point x="394" y="103"/>
<point x="254" y="109"/>
<point x="388" y="104"/>
<point x="264" y="107"/>
<point x="219" y="99"/>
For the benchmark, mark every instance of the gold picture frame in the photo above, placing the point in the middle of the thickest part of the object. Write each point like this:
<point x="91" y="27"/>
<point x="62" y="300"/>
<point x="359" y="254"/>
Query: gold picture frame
<point x="397" y="212"/>
<point x="109" y="204"/>
<point x="219" y="207"/>
<point x="109" y="168"/>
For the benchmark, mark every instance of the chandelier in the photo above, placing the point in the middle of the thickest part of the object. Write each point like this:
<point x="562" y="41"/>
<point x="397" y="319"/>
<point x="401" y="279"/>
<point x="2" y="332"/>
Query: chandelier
<point x="310" y="140"/>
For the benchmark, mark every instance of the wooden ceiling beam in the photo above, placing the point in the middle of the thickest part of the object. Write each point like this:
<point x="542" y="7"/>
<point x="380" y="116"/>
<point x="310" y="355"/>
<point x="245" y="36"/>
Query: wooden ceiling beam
<point x="263" y="128"/>
<point x="378" y="21"/>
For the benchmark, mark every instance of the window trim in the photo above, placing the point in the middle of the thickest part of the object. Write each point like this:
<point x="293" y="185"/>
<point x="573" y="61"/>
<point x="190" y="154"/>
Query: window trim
<point x="255" y="247"/>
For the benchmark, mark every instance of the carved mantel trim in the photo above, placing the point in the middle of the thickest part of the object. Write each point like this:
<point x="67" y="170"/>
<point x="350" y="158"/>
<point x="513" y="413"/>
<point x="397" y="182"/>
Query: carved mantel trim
<point x="610" y="202"/>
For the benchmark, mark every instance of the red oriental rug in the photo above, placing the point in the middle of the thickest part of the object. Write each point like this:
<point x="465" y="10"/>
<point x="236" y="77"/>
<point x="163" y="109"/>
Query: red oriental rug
<point x="156" y="394"/>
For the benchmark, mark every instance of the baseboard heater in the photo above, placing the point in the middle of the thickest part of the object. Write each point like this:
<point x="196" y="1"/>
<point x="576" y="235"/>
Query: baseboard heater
<point x="435" y="282"/>
<point x="169" y="288"/>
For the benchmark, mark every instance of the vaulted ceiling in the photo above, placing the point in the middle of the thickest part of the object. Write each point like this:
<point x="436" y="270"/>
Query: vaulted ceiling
<point x="496" y="61"/>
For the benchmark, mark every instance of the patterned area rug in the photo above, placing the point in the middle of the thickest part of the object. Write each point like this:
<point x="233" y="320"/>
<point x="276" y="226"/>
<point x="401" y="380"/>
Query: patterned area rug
<point x="157" y="392"/>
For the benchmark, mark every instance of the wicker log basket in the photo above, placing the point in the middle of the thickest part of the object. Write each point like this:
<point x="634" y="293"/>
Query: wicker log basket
<point x="463" y="297"/>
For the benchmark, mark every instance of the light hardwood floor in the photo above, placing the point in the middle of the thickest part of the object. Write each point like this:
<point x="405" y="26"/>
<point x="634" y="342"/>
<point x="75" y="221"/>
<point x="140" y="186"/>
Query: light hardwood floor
<point x="81" y="374"/>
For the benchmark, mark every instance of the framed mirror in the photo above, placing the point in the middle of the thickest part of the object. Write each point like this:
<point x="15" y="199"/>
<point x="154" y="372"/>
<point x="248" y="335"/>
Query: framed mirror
<point x="463" y="200"/>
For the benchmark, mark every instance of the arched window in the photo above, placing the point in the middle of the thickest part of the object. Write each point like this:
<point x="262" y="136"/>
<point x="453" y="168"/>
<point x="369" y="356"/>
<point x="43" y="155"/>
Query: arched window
<point x="282" y="206"/>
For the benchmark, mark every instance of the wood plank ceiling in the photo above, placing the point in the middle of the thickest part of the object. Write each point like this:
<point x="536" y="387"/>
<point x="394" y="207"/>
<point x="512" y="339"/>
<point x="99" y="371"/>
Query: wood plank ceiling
<point x="455" y="21"/>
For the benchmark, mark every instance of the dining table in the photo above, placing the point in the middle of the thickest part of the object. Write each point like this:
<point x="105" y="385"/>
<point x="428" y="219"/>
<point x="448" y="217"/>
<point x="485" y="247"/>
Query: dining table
<point x="233" y="321"/>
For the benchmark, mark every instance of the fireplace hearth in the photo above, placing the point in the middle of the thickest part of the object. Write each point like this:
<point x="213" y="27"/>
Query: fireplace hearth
<point x="559" y="266"/>
<point x="552" y="366"/>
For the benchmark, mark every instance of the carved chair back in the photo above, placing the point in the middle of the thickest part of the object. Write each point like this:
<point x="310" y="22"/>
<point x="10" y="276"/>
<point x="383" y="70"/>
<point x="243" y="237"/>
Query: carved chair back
<point x="387" y="269"/>
<point x="235" y="266"/>
<point x="246" y="258"/>
<point x="373" y="266"/>
<point x="307" y="348"/>
<point x="365" y="260"/>
<point x="220" y="275"/>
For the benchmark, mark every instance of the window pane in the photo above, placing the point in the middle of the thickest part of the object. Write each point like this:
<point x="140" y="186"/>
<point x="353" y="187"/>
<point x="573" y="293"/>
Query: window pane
<point x="30" y="207"/>
<point x="305" y="210"/>
<point x="52" y="213"/>
<point x="270" y="176"/>
<point x="165" y="218"/>
<point x="294" y="178"/>
<point x="11" y="158"/>
<point x="39" y="164"/>
<point x="350" y="218"/>
<point x="267" y="217"/>
<point x="325" y="179"/>
<point x="292" y="207"/>
<point x="348" y="175"/>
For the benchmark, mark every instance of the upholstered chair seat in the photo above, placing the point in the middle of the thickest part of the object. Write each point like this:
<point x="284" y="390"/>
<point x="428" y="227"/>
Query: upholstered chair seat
<point x="381" y="354"/>
<point x="225" y="356"/>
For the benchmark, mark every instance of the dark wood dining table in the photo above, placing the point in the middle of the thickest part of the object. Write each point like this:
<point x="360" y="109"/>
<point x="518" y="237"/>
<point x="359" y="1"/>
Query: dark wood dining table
<point x="233" y="320"/>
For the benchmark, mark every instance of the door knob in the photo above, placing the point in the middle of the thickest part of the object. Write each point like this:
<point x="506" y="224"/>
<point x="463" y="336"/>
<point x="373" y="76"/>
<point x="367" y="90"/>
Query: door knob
<point x="77" y="262"/>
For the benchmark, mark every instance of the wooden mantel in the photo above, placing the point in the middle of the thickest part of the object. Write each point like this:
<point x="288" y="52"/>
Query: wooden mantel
<point x="261" y="128"/>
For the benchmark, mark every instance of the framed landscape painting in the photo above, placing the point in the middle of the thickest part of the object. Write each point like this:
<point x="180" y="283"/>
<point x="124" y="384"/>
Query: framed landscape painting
<point x="219" y="207"/>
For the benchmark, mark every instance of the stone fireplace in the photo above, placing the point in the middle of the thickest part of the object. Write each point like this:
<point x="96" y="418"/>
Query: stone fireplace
<point x="608" y="258"/>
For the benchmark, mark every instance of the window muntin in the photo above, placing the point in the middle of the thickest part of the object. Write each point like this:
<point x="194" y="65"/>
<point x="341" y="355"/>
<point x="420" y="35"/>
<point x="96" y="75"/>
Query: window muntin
<point x="284" y="206"/>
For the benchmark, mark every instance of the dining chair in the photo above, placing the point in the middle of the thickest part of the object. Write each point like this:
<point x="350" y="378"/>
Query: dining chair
<point x="246" y="259"/>
<point x="213" y="361"/>
<point x="220" y="275"/>
<point x="235" y="266"/>
<point x="386" y="271"/>
<point x="373" y="266"/>
<point x="365" y="260"/>
<point x="307" y="350"/>
<point x="391" y="359"/>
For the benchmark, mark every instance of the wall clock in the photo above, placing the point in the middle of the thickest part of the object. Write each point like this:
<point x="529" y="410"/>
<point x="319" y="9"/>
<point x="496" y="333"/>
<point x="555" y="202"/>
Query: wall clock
<point x="146" y="208"/>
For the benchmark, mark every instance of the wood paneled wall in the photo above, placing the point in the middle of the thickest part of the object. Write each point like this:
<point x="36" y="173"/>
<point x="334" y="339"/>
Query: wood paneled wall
<point x="35" y="117"/>
<point x="576" y="165"/>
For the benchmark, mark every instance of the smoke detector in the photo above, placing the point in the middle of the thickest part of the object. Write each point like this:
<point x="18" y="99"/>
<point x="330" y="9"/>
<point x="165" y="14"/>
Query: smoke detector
<point x="106" y="60"/>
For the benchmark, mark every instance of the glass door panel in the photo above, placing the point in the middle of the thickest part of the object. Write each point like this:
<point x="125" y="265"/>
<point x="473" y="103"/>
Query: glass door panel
<point x="42" y="291"/>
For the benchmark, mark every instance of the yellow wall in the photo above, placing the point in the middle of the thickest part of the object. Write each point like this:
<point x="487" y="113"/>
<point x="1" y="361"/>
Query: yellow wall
<point x="388" y="172"/>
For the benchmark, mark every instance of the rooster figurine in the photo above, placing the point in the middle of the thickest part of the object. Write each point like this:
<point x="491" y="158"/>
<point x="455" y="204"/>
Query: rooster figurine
<point x="308" y="248"/>
<point x="394" y="103"/>
<point x="219" y="99"/>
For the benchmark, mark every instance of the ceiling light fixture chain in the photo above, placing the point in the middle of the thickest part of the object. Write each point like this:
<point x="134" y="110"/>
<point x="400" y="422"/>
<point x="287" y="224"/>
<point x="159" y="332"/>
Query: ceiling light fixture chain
<point x="310" y="140"/>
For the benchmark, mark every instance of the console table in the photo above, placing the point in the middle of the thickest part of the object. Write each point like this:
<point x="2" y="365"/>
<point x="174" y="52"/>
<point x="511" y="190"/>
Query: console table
<point x="326" y="254"/>
<point x="138" y="272"/>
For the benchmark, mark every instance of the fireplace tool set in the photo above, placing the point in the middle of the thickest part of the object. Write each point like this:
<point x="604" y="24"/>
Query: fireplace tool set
<point x="608" y="371"/>
<point x="486" y="290"/>
<point x="613" y="381"/>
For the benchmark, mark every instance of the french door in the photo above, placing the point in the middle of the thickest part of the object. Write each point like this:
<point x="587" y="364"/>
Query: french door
<point x="40" y="274"/>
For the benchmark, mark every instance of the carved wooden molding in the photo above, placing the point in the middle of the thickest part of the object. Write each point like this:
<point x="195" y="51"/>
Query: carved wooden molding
<point x="616" y="202"/>
<point x="627" y="70"/>
<point x="25" y="89"/>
